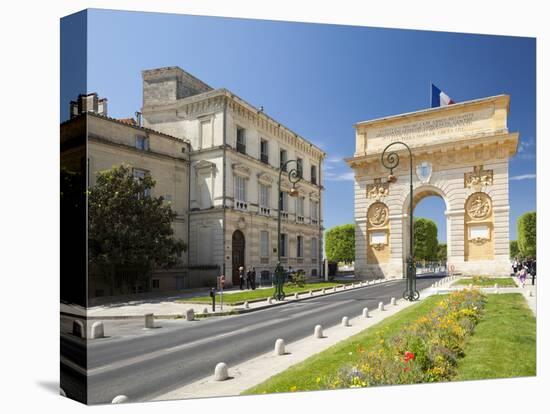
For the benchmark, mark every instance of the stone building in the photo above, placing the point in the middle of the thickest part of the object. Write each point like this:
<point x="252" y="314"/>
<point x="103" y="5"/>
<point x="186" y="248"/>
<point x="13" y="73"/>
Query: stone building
<point x="236" y="152"/>
<point x="112" y="142"/>
<point x="461" y="154"/>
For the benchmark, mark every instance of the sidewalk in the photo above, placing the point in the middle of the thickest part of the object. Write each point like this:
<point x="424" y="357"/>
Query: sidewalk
<point x="169" y="308"/>
<point x="254" y="371"/>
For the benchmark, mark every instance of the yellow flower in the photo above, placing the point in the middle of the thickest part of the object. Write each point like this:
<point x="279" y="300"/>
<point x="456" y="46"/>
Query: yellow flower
<point x="318" y="380"/>
<point x="293" y="388"/>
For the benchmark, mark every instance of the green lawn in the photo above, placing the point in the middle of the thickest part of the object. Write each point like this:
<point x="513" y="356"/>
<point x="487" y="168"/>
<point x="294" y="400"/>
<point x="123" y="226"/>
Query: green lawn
<point x="503" y="345"/>
<point x="327" y="363"/>
<point x="486" y="281"/>
<point x="504" y="341"/>
<point x="250" y="295"/>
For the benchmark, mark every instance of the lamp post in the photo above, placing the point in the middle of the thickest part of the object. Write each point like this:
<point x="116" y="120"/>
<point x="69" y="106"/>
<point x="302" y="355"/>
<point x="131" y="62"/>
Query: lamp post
<point x="391" y="161"/>
<point x="294" y="175"/>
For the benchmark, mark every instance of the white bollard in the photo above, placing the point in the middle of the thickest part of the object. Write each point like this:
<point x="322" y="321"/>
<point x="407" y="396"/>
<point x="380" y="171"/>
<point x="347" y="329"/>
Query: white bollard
<point x="334" y="288"/>
<point x="78" y="329"/>
<point x="149" y="320"/>
<point x="531" y="293"/>
<point x="279" y="347"/>
<point x="311" y="293"/>
<point x="296" y="295"/>
<point x="365" y="312"/>
<point x="323" y="291"/>
<point x="190" y="315"/>
<point x="269" y="301"/>
<point x="220" y="372"/>
<point x="97" y="330"/>
<point x="471" y="286"/>
<point x="61" y="392"/>
<point x="205" y="310"/>
<point x="345" y="321"/>
<point x="246" y="305"/>
<point x="496" y="285"/>
<point x="318" y="331"/>
<point x="392" y="301"/>
<point x="120" y="399"/>
<point x="381" y="306"/>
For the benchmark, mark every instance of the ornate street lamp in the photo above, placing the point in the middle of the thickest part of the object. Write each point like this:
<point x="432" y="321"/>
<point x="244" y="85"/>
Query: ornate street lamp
<point x="391" y="161"/>
<point x="294" y="175"/>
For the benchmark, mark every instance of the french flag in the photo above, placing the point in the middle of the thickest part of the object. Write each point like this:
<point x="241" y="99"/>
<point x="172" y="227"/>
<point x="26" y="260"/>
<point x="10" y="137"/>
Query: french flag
<point x="440" y="98"/>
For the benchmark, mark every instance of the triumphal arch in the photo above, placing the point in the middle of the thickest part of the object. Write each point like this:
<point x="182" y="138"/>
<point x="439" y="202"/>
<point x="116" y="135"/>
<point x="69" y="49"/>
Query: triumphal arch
<point x="460" y="153"/>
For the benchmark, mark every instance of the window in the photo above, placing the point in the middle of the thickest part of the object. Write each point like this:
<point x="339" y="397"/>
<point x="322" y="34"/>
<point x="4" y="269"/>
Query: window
<point x="264" y="199"/>
<point x="240" y="193"/>
<point x="283" y="245"/>
<point x="282" y="159"/>
<point x="300" y="166"/>
<point x="314" y="174"/>
<point x="205" y="139"/>
<point x="140" y="175"/>
<point x="264" y="243"/>
<point x="241" y="141"/>
<point x="300" y="246"/>
<point x="264" y="151"/>
<point x="314" y="214"/>
<point x="142" y="143"/>
<point x="300" y="209"/>
<point x="155" y="283"/>
<point x="314" y="249"/>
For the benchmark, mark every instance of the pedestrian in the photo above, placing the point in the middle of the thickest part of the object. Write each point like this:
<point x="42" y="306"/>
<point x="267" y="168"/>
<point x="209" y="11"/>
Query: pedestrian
<point x="248" y="284"/>
<point x="533" y="271"/>
<point x="515" y="265"/>
<point x="522" y="276"/>
<point x="241" y="277"/>
<point x="253" y="278"/>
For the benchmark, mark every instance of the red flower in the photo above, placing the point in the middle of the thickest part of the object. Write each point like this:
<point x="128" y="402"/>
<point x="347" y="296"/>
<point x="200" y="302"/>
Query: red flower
<point x="408" y="356"/>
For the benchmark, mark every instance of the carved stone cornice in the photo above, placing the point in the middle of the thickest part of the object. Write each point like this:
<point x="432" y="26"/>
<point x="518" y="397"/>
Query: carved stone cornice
<point x="241" y="170"/>
<point x="205" y="166"/>
<point x="265" y="178"/>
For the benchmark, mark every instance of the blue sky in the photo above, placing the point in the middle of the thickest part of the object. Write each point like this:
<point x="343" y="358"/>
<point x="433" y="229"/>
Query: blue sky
<point x="318" y="80"/>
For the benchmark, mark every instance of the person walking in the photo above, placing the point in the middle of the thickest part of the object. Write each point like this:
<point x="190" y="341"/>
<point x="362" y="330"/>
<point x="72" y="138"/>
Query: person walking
<point x="522" y="276"/>
<point x="533" y="271"/>
<point x="248" y="284"/>
<point x="241" y="277"/>
<point x="515" y="265"/>
<point x="253" y="278"/>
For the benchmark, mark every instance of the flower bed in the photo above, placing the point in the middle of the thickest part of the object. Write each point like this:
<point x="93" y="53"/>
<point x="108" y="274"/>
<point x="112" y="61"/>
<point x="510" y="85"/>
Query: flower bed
<point x="425" y="351"/>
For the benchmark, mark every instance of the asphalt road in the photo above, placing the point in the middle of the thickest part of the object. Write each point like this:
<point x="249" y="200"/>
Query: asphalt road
<point x="143" y="364"/>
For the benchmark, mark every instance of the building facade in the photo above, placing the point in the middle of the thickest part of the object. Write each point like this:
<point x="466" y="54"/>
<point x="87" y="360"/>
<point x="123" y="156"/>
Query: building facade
<point x="460" y="153"/>
<point x="236" y="153"/>
<point x="111" y="142"/>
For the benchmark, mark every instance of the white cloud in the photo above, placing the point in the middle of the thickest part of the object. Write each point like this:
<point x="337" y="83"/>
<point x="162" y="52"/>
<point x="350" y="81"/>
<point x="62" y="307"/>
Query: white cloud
<point x="347" y="176"/>
<point x="523" y="177"/>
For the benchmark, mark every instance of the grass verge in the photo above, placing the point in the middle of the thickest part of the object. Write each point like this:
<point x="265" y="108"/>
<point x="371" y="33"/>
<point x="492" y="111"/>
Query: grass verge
<point x="250" y="295"/>
<point x="504" y="342"/>
<point x="486" y="282"/>
<point x="503" y="345"/>
<point x="304" y="376"/>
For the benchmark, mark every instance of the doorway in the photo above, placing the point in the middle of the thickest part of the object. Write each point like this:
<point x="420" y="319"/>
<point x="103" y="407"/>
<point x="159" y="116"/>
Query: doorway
<point x="237" y="248"/>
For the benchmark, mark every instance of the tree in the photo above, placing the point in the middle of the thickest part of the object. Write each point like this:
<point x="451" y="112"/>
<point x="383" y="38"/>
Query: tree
<point x="425" y="239"/>
<point x="514" y="249"/>
<point x="129" y="232"/>
<point x="340" y="243"/>
<point x="442" y="252"/>
<point x="527" y="234"/>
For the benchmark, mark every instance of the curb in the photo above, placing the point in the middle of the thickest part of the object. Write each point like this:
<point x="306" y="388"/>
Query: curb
<point x="237" y="311"/>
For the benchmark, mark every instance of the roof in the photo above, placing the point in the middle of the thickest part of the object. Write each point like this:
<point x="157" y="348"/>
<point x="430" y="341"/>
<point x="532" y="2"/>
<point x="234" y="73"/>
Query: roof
<point x="126" y="122"/>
